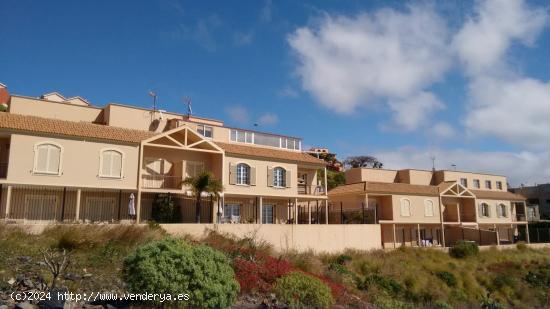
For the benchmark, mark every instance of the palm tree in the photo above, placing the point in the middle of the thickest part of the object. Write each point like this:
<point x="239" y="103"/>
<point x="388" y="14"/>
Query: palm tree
<point x="203" y="183"/>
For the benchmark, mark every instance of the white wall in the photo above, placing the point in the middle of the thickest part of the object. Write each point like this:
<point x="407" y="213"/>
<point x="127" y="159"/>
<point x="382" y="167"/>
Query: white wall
<point x="332" y="238"/>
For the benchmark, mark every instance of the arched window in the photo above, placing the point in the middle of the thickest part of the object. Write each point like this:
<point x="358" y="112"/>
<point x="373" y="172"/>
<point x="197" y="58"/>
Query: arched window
<point x="428" y="208"/>
<point x="47" y="159"/>
<point x="111" y="164"/>
<point x="484" y="210"/>
<point x="279" y="177"/>
<point x="502" y="210"/>
<point x="243" y="174"/>
<point x="405" y="207"/>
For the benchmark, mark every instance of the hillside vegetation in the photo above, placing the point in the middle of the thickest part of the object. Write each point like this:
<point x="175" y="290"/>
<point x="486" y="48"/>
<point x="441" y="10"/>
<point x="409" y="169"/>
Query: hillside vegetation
<point x="403" y="278"/>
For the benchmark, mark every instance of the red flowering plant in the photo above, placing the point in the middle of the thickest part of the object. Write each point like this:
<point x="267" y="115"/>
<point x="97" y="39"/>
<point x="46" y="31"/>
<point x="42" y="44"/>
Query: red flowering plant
<point x="259" y="274"/>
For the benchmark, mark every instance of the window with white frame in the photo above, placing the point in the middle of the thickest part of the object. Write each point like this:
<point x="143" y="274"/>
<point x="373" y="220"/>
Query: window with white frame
<point x="111" y="164"/>
<point x="502" y="210"/>
<point x="194" y="168"/>
<point x="232" y="213"/>
<point x="204" y="130"/>
<point x="267" y="214"/>
<point x="47" y="159"/>
<point x="279" y="177"/>
<point x="405" y="207"/>
<point x="243" y="174"/>
<point x="484" y="210"/>
<point x="476" y="183"/>
<point x="428" y="208"/>
<point x="488" y="184"/>
<point x="464" y="182"/>
<point x="265" y="139"/>
<point x="499" y="185"/>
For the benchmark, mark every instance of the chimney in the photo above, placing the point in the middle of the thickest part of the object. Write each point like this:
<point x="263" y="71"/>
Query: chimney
<point x="4" y="97"/>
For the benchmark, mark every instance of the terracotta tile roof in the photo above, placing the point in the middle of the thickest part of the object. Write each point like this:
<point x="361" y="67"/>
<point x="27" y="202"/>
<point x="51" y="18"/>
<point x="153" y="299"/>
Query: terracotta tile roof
<point x="349" y="188"/>
<point x="269" y="153"/>
<point x="384" y="187"/>
<point x="71" y="128"/>
<point x="498" y="195"/>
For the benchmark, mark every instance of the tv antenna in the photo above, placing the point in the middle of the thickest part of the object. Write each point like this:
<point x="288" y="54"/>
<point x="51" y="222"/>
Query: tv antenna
<point x="187" y="100"/>
<point x="433" y="163"/>
<point x="154" y="96"/>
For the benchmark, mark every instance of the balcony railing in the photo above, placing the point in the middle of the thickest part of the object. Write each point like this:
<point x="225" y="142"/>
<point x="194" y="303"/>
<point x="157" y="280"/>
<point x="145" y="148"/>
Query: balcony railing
<point x="311" y="190"/>
<point x="161" y="182"/>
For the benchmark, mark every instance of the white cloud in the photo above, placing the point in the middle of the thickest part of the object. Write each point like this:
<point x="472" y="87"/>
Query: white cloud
<point x="410" y="113"/>
<point x="520" y="167"/>
<point x="238" y="114"/>
<point x="243" y="38"/>
<point x="288" y="92"/>
<point x="266" y="12"/>
<point x="482" y="42"/>
<point x="202" y="33"/>
<point x="389" y="55"/>
<point x="517" y="111"/>
<point x="442" y="130"/>
<point x="503" y="103"/>
<point x="268" y="119"/>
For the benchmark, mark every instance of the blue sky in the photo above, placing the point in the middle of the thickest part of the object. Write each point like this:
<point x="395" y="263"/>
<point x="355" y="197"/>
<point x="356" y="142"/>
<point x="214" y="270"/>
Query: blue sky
<point x="465" y="81"/>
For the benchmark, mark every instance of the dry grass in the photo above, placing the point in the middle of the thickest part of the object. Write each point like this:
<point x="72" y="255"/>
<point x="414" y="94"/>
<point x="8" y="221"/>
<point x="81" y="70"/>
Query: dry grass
<point x="95" y="250"/>
<point x="409" y="278"/>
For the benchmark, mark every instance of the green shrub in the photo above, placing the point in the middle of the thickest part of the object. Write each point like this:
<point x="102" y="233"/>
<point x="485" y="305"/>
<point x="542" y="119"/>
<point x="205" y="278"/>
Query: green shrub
<point x="343" y="258"/>
<point x="386" y="283"/>
<point x="165" y="210"/>
<point x="464" y="249"/>
<point x="447" y="277"/>
<point x="172" y="266"/>
<point x="442" y="305"/>
<point x="539" y="277"/>
<point x="299" y="290"/>
<point x="521" y="246"/>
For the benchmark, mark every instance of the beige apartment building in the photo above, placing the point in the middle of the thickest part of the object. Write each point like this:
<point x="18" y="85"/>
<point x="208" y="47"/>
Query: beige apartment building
<point x="64" y="160"/>
<point x="431" y="208"/>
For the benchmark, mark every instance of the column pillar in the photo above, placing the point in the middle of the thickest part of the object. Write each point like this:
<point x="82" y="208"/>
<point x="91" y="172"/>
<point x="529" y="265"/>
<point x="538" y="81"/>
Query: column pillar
<point x="458" y="212"/>
<point x="138" y="207"/>
<point x="441" y="218"/>
<point x="309" y="212"/>
<point x="527" y="223"/>
<point x="8" y="202"/>
<point x="394" y="237"/>
<point x="260" y="209"/>
<point x="418" y="234"/>
<point x="498" y="236"/>
<point x="78" y="198"/>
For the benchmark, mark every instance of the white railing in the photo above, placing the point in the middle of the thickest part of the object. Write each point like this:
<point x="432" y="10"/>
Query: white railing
<point x="161" y="182"/>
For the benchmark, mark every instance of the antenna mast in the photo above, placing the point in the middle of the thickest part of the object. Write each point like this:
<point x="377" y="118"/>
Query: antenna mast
<point x="187" y="100"/>
<point x="433" y="163"/>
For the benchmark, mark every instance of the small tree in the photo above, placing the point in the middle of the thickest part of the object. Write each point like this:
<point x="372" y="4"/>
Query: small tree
<point x="165" y="210"/>
<point x="363" y="161"/>
<point x="203" y="183"/>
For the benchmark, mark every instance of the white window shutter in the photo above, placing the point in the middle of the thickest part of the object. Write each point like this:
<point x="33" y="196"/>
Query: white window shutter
<point x="106" y="163"/>
<point x="54" y="159"/>
<point x="41" y="158"/>
<point x="252" y="176"/>
<point x="116" y="170"/>
<point x="269" y="177"/>
<point x="232" y="174"/>
<point x="288" y="178"/>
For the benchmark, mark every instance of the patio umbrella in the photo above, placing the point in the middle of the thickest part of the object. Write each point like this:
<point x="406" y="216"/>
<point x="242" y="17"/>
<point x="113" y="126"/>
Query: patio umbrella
<point x="131" y="207"/>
